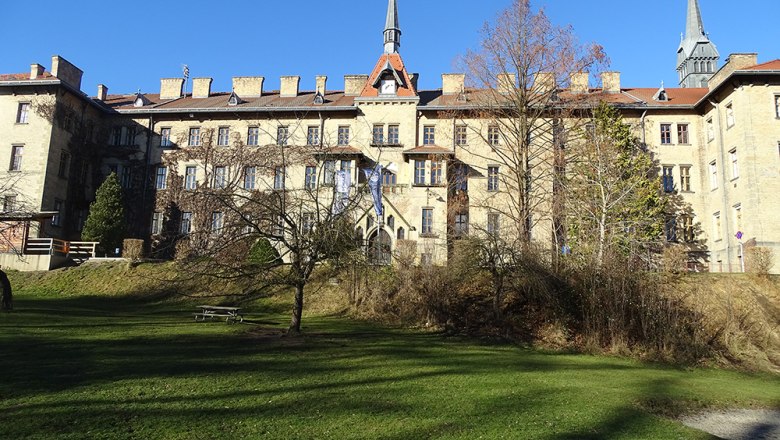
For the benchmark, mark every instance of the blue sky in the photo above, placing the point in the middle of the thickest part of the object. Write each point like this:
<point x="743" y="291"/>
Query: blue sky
<point x="132" y="44"/>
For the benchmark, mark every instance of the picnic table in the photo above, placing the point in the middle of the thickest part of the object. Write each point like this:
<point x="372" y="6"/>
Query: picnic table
<point x="231" y="314"/>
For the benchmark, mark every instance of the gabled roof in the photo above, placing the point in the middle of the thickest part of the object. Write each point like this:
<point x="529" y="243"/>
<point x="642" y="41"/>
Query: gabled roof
<point x="405" y="89"/>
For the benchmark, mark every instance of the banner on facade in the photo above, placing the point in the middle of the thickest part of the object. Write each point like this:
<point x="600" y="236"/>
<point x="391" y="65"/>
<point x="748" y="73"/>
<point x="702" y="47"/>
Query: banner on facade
<point x="374" y="178"/>
<point x="341" y="197"/>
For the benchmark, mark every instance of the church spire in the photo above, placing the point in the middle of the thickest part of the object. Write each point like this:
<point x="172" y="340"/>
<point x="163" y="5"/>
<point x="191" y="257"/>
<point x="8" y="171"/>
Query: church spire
<point x="392" y="30"/>
<point x="697" y="56"/>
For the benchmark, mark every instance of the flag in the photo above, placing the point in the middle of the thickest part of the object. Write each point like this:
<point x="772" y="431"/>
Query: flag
<point x="186" y="71"/>
<point x="341" y="197"/>
<point x="374" y="178"/>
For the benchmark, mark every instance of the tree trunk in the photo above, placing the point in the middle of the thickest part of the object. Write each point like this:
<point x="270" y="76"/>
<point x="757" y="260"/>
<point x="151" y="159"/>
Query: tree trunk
<point x="498" y="300"/>
<point x="295" y="323"/>
<point x="7" y="299"/>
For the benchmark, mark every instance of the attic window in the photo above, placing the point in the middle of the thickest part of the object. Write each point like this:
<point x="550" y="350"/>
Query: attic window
<point x="234" y="99"/>
<point x="319" y="99"/>
<point x="661" y="94"/>
<point x="140" y="100"/>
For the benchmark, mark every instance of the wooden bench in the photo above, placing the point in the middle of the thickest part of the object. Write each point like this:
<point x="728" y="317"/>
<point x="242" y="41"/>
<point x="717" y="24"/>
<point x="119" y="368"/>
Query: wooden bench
<point x="231" y="314"/>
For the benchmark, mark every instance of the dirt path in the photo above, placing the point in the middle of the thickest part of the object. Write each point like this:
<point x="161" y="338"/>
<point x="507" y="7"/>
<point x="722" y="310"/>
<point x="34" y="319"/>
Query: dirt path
<point x="741" y="424"/>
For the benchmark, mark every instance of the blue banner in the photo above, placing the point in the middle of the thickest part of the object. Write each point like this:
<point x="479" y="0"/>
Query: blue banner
<point x="374" y="178"/>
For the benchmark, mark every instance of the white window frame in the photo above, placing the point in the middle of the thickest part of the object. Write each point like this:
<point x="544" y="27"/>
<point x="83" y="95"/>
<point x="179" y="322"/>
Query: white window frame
<point x="734" y="164"/>
<point x="714" y="175"/>
<point x="23" y="113"/>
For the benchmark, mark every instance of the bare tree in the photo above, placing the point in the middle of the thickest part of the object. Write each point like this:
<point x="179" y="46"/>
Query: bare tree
<point x="518" y="77"/>
<point x="269" y="214"/>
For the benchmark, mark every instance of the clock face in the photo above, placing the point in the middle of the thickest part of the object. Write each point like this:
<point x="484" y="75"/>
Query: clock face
<point x="388" y="87"/>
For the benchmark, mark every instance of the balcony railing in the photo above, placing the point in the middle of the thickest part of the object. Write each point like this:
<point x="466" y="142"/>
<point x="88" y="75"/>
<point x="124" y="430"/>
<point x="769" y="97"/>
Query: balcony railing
<point x="80" y="250"/>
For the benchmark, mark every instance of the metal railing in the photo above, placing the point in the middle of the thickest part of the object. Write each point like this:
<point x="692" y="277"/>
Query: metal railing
<point x="81" y="250"/>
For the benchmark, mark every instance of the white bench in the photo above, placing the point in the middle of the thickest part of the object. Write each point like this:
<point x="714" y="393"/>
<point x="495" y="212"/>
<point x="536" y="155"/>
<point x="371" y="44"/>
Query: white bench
<point x="231" y="314"/>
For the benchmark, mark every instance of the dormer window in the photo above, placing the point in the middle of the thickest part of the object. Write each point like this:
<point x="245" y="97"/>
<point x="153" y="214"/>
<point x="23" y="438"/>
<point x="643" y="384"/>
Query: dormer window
<point x="319" y="99"/>
<point x="140" y="100"/>
<point x="234" y="100"/>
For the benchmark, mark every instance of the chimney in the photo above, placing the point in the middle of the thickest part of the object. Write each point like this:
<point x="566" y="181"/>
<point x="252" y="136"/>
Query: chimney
<point x="579" y="82"/>
<point x="66" y="72"/>
<point x="735" y="61"/>
<point x="36" y="70"/>
<point x="452" y="83"/>
<point x="289" y="88"/>
<point x="171" y="88"/>
<point x="544" y="82"/>
<point x="506" y="83"/>
<point x="353" y="84"/>
<point x="414" y="77"/>
<point x="248" y="86"/>
<point x="610" y="82"/>
<point x="322" y="82"/>
<point x="102" y="92"/>
<point x="201" y="87"/>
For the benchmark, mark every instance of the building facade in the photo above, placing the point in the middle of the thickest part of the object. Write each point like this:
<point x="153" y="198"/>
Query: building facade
<point x="716" y="139"/>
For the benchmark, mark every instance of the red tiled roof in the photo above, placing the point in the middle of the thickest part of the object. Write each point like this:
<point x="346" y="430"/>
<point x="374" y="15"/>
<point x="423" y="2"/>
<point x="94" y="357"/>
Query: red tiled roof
<point x="269" y="100"/>
<point x="676" y="96"/>
<point x="24" y="76"/>
<point x="405" y="90"/>
<point x="770" y="65"/>
<point x="429" y="149"/>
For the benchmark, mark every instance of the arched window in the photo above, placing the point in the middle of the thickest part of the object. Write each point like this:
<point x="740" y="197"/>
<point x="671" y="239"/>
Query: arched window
<point x="379" y="246"/>
<point x="695" y="67"/>
<point x="401" y="235"/>
<point x="709" y="66"/>
<point x="391" y="222"/>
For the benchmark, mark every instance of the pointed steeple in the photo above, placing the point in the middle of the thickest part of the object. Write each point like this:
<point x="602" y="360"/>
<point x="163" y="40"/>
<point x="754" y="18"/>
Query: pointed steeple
<point x="694" y="27"/>
<point x="697" y="56"/>
<point x="392" y="30"/>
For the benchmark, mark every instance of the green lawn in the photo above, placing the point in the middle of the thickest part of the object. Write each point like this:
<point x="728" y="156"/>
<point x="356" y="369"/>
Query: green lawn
<point x="121" y="367"/>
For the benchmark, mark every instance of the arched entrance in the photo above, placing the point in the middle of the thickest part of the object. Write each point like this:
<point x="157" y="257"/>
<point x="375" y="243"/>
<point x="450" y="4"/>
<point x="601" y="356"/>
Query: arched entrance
<point x="379" y="247"/>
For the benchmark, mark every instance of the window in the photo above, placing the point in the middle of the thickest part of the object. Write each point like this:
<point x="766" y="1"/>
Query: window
<point x="729" y="116"/>
<point x="194" y="139"/>
<point x="165" y="137"/>
<point x="682" y="134"/>
<point x="388" y="178"/>
<point x="16" y="157"/>
<point x="668" y="179"/>
<point x="253" y="136"/>
<point x="277" y="227"/>
<point x="186" y="223"/>
<point x="217" y="221"/>
<point x="346" y="165"/>
<point x="461" y="224"/>
<point x="462" y="178"/>
<point x="282" y="135"/>
<point x="393" y="137"/>
<point x="116" y="136"/>
<point x="427" y="221"/>
<point x="220" y="173"/>
<point x="777" y="106"/>
<point x="190" y="176"/>
<point x="161" y="179"/>
<point x="279" y="173"/>
<point x="130" y="136"/>
<point x="492" y="183"/>
<point x="127" y="177"/>
<point x="22" y="116"/>
<point x="436" y="169"/>
<point x="113" y="169"/>
<point x="493" y="136"/>
<point x="9" y="203"/>
<point x="329" y="173"/>
<point x="378" y="135"/>
<point x="670" y="229"/>
<point x="419" y="172"/>
<point x="223" y="137"/>
<point x="738" y="217"/>
<point x="734" y="165"/>
<point x="429" y="135"/>
<point x="391" y="222"/>
<point x="710" y="130"/>
<point x="401" y="234"/>
<point x="58" y="217"/>
<point x="666" y="134"/>
<point x="461" y="135"/>
<point x="493" y="223"/>
<point x="685" y="178"/>
<point x="311" y="177"/>
<point x="713" y="175"/>
<point x="249" y="177"/>
<point x="307" y="222"/>
<point x="313" y="135"/>
<point x="343" y="138"/>
<point x="157" y="221"/>
<point x="687" y="227"/>
<point x="64" y="164"/>
<point x="716" y="226"/>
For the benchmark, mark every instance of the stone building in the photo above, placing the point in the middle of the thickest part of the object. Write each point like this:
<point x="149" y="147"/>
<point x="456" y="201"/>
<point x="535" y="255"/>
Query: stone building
<point x="716" y="139"/>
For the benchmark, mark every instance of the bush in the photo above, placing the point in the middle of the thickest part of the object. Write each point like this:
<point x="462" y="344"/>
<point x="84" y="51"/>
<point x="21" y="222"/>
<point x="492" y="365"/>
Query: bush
<point x="133" y="249"/>
<point x="674" y="259"/>
<point x="263" y="253"/>
<point x="760" y="260"/>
